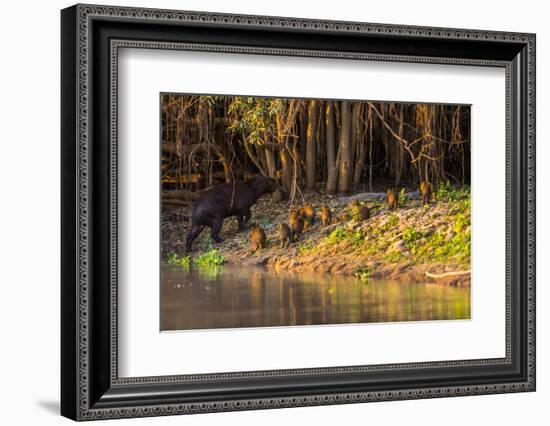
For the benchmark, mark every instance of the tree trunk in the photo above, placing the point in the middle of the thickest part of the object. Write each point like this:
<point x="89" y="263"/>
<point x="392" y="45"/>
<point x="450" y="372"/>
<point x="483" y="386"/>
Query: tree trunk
<point x="311" y="144"/>
<point x="358" y="144"/>
<point x="286" y="166"/>
<point x="332" y="176"/>
<point x="270" y="162"/>
<point x="345" y="166"/>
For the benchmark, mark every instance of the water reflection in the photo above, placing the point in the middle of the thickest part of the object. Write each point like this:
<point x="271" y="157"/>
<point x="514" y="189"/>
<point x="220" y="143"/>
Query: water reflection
<point x="229" y="297"/>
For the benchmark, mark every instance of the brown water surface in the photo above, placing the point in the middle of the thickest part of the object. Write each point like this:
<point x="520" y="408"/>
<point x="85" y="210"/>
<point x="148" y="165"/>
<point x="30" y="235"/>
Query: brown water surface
<point x="230" y="297"/>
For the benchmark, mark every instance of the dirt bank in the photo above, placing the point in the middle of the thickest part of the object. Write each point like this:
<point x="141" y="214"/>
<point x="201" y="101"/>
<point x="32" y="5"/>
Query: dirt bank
<point x="411" y="244"/>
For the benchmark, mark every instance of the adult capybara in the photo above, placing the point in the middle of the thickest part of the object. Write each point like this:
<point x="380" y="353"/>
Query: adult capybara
<point x="258" y="238"/>
<point x="391" y="197"/>
<point x="285" y="235"/>
<point x="426" y="190"/>
<point x="225" y="200"/>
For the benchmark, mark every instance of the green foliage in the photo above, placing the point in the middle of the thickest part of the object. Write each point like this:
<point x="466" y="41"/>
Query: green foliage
<point x="461" y="222"/>
<point x="375" y="208"/>
<point x="391" y="222"/>
<point x="210" y="258"/>
<point x="174" y="259"/>
<point x="252" y="118"/>
<point x="354" y="238"/>
<point x="372" y="249"/>
<point x="439" y="248"/>
<point x="307" y="246"/>
<point x="393" y="256"/>
<point x="363" y="274"/>
<point x="401" y="197"/>
<point x="356" y="213"/>
<point x="447" y="192"/>
<point x="411" y="236"/>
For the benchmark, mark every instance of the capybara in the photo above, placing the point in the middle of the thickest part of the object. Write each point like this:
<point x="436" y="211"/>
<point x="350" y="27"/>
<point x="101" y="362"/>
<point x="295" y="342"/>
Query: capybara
<point x="308" y="214"/>
<point x="285" y="235"/>
<point x="391" y="197"/>
<point x="363" y="212"/>
<point x="296" y="224"/>
<point x="225" y="200"/>
<point x="257" y="238"/>
<point x="326" y="216"/>
<point x="426" y="190"/>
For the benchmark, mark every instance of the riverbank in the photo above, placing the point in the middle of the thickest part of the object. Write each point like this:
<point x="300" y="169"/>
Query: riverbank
<point x="414" y="243"/>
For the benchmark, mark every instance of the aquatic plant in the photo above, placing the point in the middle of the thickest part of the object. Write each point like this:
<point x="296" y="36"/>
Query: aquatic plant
<point x="210" y="258"/>
<point x="174" y="259"/>
<point x="363" y="274"/>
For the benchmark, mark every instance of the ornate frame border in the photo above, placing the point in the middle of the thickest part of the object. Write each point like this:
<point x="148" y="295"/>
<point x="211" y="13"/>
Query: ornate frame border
<point x="85" y="14"/>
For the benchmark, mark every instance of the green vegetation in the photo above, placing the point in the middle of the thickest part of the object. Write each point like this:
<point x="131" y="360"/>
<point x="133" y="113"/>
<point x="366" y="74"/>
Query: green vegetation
<point x="353" y="238"/>
<point x="393" y="257"/>
<point x="401" y="197"/>
<point x="411" y="236"/>
<point x="391" y="223"/>
<point x="356" y="214"/>
<point x="174" y="259"/>
<point x="437" y="233"/>
<point x="362" y="275"/>
<point x="447" y="192"/>
<point x="307" y="246"/>
<point x="210" y="258"/>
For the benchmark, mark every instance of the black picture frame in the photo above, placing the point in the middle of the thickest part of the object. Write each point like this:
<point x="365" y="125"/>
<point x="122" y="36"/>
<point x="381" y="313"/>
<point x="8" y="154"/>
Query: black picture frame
<point x="90" y="386"/>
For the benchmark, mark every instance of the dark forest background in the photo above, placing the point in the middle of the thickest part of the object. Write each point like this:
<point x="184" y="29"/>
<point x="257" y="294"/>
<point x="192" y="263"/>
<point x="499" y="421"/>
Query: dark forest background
<point x="312" y="144"/>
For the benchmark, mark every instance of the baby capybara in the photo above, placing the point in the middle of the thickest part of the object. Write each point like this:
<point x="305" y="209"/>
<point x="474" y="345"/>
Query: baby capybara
<point x="391" y="198"/>
<point x="225" y="200"/>
<point x="257" y="238"/>
<point x="326" y="216"/>
<point x="426" y="190"/>
<point x="363" y="212"/>
<point x="285" y="235"/>
<point x="308" y="214"/>
<point x="296" y="224"/>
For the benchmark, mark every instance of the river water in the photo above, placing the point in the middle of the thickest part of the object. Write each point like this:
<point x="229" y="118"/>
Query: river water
<point x="230" y="297"/>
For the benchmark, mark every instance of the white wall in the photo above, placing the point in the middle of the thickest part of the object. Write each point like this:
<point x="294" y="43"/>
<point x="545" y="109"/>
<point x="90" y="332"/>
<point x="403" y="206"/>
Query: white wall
<point x="29" y="225"/>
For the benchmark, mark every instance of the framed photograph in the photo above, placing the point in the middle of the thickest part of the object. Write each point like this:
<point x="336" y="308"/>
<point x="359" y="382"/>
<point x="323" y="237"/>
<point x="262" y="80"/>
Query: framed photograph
<point x="263" y="212"/>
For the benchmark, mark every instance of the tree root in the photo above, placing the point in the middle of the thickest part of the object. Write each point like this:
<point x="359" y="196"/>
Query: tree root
<point x="447" y="274"/>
